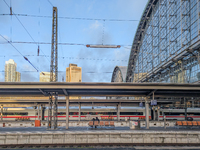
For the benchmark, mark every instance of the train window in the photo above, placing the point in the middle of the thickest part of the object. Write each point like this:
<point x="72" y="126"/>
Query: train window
<point x="61" y="113"/>
<point x="196" y="114"/>
<point x="172" y="113"/>
<point x="131" y="113"/>
<point x="15" y="113"/>
<point x="73" y="113"/>
<point x="98" y="113"/>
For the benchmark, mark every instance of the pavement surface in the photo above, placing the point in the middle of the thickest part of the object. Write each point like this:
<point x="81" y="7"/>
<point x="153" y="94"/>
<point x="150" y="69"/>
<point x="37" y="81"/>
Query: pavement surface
<point x="89" y="129"/>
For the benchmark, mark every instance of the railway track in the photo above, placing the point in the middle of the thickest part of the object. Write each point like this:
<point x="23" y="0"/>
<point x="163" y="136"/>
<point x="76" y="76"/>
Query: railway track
<point x="99" y="145"/>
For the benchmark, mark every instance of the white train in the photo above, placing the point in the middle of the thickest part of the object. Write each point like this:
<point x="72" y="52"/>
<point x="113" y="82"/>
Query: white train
<point x="133" y="113"/>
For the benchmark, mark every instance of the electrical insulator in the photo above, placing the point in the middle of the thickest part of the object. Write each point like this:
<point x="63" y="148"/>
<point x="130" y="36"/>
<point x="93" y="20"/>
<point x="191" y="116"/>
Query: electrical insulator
<point x="38" y="50"/>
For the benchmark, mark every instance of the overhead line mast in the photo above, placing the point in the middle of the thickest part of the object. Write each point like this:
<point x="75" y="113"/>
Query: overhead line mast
<point x="54" y="50"/>
<point x="53" y="96"/>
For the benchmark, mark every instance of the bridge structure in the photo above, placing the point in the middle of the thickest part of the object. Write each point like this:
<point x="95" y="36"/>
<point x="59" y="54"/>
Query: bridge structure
<point x="146" y="90"/>
<point x="166" y="44"/>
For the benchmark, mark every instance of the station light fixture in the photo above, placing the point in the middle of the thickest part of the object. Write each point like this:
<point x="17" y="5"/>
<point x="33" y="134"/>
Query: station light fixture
<point x="103" y="46"/>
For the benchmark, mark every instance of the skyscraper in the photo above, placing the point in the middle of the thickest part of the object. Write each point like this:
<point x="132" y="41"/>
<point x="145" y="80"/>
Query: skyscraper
<point x="73" y="73"/>
<point x="44" y="76"/>
<point x="10" y="72"/>
<point x="17" y="76"/>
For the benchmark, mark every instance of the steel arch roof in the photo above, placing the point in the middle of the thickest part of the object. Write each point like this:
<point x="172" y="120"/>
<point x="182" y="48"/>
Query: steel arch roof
<point x="121" y="69"/>
<point x="138" y="35"/>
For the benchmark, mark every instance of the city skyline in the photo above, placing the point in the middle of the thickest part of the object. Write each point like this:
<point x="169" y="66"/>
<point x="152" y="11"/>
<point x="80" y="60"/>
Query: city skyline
<point x="11" y="74"/>
<point x="97" y="64"/>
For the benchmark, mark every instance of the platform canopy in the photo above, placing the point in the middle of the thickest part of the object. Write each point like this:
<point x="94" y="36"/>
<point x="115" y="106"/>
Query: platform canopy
<point x="20" y="89"/>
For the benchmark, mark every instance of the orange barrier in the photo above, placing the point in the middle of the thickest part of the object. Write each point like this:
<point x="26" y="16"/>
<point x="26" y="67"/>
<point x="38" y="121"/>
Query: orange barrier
<point x="198" y="122"/>
<point x="112" y="123"/>
<point x="106" y="123"/>
<point x="90" y="123"/>
<point x="194" y="123"/>
<point x="189" y="123"/>
<point x="37" y="123"/>
<point x="179" y="123"/>
<point x="184" y="123"/>
<point x="101" y="123"/>
<point x="96" y="123"/>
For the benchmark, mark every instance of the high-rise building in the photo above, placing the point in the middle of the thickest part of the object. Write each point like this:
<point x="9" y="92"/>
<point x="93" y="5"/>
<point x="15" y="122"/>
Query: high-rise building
<point x="73" y="73"/>
<point x="10" y="72"/>
<point x="17" y="76"/>
<point x="44" y="76"/>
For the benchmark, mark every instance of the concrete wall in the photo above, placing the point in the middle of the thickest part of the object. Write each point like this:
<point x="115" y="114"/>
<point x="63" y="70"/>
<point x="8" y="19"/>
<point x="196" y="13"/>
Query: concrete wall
<point x="100" y="137"/>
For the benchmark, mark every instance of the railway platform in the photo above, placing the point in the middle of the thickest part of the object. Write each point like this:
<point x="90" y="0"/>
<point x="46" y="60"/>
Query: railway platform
<point x="99" y="136"/>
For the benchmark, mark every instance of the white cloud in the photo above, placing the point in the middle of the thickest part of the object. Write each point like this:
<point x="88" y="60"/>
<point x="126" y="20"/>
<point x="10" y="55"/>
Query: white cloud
<point x="95" y="25"/>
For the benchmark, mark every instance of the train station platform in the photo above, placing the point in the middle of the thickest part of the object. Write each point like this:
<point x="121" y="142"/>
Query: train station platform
<point x="99" y="136"/>
<point x="82" y="123"/>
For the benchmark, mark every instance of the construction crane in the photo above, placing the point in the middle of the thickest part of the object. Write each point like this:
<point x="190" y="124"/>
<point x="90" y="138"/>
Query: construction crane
<point x="53" y="96"/>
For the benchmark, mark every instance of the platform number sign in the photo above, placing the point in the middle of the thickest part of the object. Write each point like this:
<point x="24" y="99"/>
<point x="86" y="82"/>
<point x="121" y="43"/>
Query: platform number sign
<point x="153" y="102"/>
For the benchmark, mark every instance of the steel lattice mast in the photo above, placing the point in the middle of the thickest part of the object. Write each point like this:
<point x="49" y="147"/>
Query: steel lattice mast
<point x="54" y="50"/>
<point x="53" y="96"/>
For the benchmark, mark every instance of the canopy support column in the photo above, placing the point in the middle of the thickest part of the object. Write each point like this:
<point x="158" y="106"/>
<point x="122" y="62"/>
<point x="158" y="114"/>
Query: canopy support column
<point x="67" y="112"/>
<point x="147" y="112"/>
<point x="79" y="112"/>
<point x="1" y="112"/>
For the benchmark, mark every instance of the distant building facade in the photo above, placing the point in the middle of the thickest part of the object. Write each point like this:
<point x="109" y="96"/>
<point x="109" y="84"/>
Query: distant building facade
<point x="45" y="76"/>
<point x="11" y="75"/>
<point x="73" y="73"/>
<point x="17" y="76"/>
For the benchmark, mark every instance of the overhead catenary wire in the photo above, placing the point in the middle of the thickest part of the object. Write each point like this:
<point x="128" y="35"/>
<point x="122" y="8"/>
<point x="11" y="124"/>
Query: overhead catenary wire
<point x="80" y="44"/>
<point x="76" y="18"/>
<point x="20" y="53"/>
<point x="23" y="26"/>
<point x="70" y="57"/>
<point x="60" y="72"/>
<point x="50" y="3"/>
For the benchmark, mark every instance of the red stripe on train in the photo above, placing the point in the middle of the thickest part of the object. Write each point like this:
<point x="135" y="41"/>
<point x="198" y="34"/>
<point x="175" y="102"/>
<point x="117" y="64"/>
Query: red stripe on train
<point x="62" y="116"/>
<point x="179" y="116"/>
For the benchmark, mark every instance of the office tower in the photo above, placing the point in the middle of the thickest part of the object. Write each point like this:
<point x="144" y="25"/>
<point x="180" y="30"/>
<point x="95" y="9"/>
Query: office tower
<point x="73" y="73"/>
<point x="10" y="72"/>
<point x="44" y="76"/>
<point x="17" y="76"/>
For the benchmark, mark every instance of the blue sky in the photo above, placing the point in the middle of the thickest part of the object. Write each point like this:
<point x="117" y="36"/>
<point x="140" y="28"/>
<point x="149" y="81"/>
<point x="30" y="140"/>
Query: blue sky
<point x="97" y="64"/>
